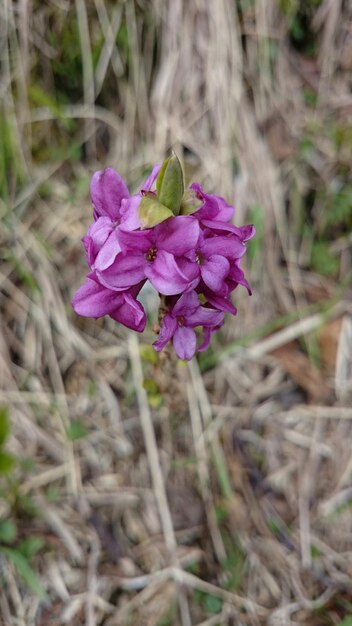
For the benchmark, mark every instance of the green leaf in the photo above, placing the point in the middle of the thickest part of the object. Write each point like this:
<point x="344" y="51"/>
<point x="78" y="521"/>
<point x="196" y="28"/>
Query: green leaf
<point x="76" y="430"/>
<point x="190" y="202"/>
<point x="24" y="569"/>
<point x="30" y="546"/>
<point x="42" y="98"/>
<point x="151" y="212"/>
<point x="161" y="175"/>
<point x="155" y="401"/>
<point x="7" y="462"/>
<point x="148" y="353"/>
<point x="169" y="184"/>
<point x="150" y="385"/>
<point x="323" y="260"/>
<point x="8" y="531"/>
<point x="347" y="621"/>
<point x="52" y="494"/>
<point x="212" y="604"/>
<point x="4" y="424"/>
<point x="27" y="464"/>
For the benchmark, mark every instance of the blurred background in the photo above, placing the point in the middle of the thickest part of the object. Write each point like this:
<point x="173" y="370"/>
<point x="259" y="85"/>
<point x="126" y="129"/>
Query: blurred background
<point x="253" y="437"/>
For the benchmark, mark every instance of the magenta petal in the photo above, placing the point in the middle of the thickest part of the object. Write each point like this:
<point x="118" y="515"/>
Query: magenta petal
<point x="191" y="270"/>
<point x="220" y="303"/>
<point x="209" y="209"/>
<point x="151" y="178"/>
<point x="127" y="270"/>
<point x="244" y="233"/>
<point x="129" y="213"/>
<point x="130" y="313"/>
<point x="108" y="252"/>
<point x="205" y="317"/>
<point x="135" y="240"/>
<point x="94" y="300"/>
<point x="225" y="210"/>
<point x="107" y="189"/>
<point x="214" y="207"/>
<point x="93" y="276"/>
<point x="214" y="272"/>
<point x="100" y="229"/>
<point x="166" y="276"/>
<point x="236" y="277"/>
<point x="186" y="304"/>
<point x="232" y="285"/>
<point x="97" y="234"/>
<point x="167" y="330"/>
<point x="207" y="333"/>
<point x="89" y="248"/>
<point x="177" y="235"/>
<point x="185" y="342"/>
<point x="230" y="247"/>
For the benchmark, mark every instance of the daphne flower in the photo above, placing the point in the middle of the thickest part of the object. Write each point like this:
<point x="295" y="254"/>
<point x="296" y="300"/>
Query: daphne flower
<point x="158" y="254"/>
<point x="94" y="300"/>
<point x="97" y="234"/>
<point x="212" y="257"/>
<point x="216" y="227"/>
<point x="178" y="323"/>
<point x="107" y="190"/>
<point x="213" y="207"/>
<point x="113" y="205"/>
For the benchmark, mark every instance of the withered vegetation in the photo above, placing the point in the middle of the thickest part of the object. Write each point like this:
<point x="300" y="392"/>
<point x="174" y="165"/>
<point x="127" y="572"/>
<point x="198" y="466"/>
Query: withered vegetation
<point x="138" y="490"/>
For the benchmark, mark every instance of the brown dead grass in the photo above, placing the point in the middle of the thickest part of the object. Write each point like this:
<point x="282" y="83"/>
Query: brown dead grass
<point x="238" y="487"/>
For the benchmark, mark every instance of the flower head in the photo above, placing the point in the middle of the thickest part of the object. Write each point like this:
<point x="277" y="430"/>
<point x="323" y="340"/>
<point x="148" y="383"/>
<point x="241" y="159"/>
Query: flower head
<point x="180" y="240"/>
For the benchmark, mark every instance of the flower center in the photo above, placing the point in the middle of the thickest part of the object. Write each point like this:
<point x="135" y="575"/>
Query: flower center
<point x="199" y="258"/>
<point x="180" y="320"/>
<point x="151" y="254"/>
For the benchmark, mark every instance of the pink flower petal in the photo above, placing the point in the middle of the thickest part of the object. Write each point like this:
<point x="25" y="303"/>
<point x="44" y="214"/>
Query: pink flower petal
<point x="126" y="271"/>
<point x="94" y="300"/>
<point x="167" y="330"/>
<point x="166" y="276"/>
<point x="220" y="303"/>
<point x="130" y="313"/>
<point x="151" y="178"/>
<point x="214" y="207"/>
<point x="244" y="233"/>
<point x="207" y="333"/>
<point x="177" y="235"/>
<point x="129" y="213"/>
<point x="230" y="247"/>
<point x="214" y="272"/>
<point x="135" y="241"/>
<point x="97" y="234"/>
<point x="186" y="304"/>
<point x="205" y="317"/>
<point x="108" y="252"/>
<point x="107" y="189"/>
<point x="185" y="342"/>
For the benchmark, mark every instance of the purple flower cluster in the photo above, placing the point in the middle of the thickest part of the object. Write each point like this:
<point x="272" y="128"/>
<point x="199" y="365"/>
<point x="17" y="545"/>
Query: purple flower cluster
<point x="190" y="255"/>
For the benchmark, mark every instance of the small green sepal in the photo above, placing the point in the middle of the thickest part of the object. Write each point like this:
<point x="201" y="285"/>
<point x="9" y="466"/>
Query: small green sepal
<point x="169" y="184"/>
<point x="190" y="202"/>
<point x="151" y="212"/>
